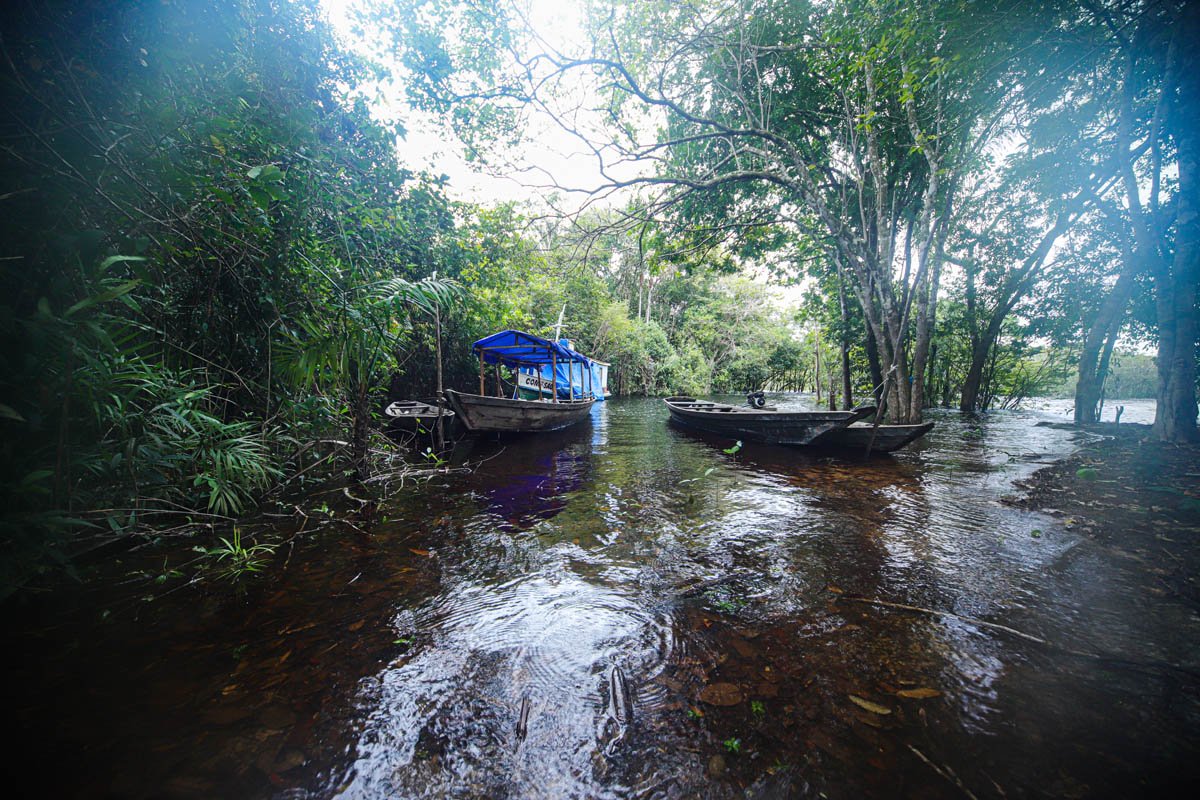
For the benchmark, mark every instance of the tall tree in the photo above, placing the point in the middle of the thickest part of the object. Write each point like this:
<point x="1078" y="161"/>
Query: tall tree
<point x="856" y="122"/>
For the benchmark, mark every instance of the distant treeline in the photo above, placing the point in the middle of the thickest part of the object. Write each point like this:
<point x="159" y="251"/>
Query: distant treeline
<point x="1130" y="376"/>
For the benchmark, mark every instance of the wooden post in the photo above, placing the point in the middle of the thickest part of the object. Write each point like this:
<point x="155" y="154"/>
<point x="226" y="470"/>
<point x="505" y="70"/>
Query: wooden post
<point x="481" y="391"/>
<point x="499" y="387"/>
<point x="591" y="389"/>
<point x="554" y="376"/>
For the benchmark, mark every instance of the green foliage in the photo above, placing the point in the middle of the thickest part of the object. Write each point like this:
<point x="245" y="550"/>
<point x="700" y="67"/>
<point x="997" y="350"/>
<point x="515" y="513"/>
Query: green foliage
<point x="194" y="191"/>
<point x="234" y="560"/>
<point x="214" y="255"/>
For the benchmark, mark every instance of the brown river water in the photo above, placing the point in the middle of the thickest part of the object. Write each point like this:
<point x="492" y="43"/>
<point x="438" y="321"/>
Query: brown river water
<point x="621" y="610"/>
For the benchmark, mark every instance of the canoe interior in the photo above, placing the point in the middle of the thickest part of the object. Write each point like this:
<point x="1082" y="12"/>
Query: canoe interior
<point x="400" y="409"/>
<point x="760" y="425"/>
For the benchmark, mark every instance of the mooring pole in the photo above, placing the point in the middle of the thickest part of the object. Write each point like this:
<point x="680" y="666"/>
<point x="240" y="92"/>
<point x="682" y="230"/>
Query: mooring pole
<point x="554" y="376"/>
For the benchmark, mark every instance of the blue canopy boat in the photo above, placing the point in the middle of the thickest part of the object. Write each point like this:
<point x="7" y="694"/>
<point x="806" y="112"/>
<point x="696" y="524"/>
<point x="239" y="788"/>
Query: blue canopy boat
<point x="556" y="386"/>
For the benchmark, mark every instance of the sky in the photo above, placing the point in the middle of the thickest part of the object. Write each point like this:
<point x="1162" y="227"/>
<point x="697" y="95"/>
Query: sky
<point x="547" y="148"/>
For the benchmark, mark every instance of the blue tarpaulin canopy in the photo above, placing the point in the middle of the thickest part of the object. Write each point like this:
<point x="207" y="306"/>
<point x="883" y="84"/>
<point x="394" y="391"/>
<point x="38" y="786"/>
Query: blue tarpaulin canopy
<point x="537" y="356"/>
<point x="520" y="348"/>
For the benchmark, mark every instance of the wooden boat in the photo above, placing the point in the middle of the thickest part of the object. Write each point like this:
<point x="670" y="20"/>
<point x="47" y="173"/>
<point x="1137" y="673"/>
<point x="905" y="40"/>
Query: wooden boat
<point x="887" y="438"/>
<point x="564" y="400"/>
<point x="767" y="425"/>
<point x="412" y="415"/>
<point x="481" y="413"/>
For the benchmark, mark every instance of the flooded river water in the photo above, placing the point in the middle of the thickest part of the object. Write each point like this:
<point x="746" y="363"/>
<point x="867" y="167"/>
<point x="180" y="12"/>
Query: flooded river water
<point x="624" y="609"/>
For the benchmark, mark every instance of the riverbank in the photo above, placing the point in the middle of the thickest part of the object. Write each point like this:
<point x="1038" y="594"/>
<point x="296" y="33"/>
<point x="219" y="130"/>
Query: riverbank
<point x="1133" y="494"/>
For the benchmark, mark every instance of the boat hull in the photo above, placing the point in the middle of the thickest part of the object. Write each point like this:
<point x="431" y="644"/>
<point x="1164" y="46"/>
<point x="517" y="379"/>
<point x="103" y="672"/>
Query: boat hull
<point x="499" y="414"/>
<point x="761" y="425"/>
<point x="881" y="439"/>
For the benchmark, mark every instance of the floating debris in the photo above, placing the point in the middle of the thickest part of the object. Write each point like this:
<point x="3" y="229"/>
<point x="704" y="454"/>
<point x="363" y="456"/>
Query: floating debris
<point x="874" y="708"/>
<point x="523" y="720"/>
<point x="620" y="699"/>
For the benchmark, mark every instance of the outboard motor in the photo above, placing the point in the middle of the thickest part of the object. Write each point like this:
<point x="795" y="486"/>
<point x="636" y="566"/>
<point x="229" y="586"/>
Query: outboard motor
<point x="756" y="399"/>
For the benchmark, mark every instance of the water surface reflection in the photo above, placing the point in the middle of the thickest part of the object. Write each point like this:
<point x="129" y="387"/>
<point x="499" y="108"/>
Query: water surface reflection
<point x="475" y="643"/>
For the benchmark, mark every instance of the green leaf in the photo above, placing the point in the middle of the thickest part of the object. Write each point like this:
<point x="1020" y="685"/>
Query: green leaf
<point x="8" y="412"/>
<point x="108" y="262"/>
<point x="103" y="297"/>
<point x="260" y="196"/>
<point x="35" y="477"/>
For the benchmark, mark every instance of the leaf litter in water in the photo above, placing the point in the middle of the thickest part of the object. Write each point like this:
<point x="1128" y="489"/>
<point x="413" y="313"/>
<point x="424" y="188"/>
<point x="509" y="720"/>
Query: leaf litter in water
<point x="874" y="708"/>
<point x="721" y="694"/>
<point x="919" y="694"/>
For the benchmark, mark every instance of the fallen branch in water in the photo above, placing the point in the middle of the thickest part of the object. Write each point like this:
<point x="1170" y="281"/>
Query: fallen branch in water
<point x="934" y="612"/>
<point x="1114" y="660"/>
<point x="945" y="772"/>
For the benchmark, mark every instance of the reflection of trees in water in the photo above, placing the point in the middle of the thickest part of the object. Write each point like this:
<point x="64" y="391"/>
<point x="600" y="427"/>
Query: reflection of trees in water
<point x="528" y="478"/>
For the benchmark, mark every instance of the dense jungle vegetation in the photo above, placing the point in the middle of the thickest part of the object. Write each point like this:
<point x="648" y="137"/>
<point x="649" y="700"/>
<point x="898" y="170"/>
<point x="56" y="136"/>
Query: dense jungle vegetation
<point x="217" y="258"/>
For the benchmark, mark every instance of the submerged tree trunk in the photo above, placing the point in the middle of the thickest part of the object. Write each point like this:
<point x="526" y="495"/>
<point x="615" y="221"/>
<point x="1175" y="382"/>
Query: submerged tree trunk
<point x="1175" y="418"/>
<point x="973" y="382"/>
<point x="1102" y="333"/>
<point x="1175" y="282"/>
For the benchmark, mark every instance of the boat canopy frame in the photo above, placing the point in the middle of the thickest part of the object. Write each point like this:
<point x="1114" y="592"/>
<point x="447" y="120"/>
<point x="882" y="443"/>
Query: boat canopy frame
<point x="516" y="349"/>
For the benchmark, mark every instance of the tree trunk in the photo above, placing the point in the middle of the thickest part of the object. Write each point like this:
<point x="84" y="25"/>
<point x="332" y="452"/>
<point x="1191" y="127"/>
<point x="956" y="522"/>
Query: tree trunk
<point x="817" y="367"/>
<point x="1103" y="328"/>
<point x="1175" y="283"/>
<point x="926" y="317"/>
<point x="876" y="369"/>
<point x="847" y="400"/>
<point x="946" y="385"/>
<point x="969" y="401"/>
<point x="931" y="380"/>
<point x="360" y="435"/>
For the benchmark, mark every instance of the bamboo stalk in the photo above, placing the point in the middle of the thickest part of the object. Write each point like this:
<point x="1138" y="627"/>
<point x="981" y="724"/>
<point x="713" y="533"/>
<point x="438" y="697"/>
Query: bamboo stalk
<point x="437" y="323"/>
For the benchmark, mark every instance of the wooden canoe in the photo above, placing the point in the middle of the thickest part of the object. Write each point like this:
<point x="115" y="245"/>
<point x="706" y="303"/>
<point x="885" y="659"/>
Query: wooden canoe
<point x="408" y="414"/>
<point x="767" y="425"/>
<point x="887" y="438"/>
<point x="499" y="414"/>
